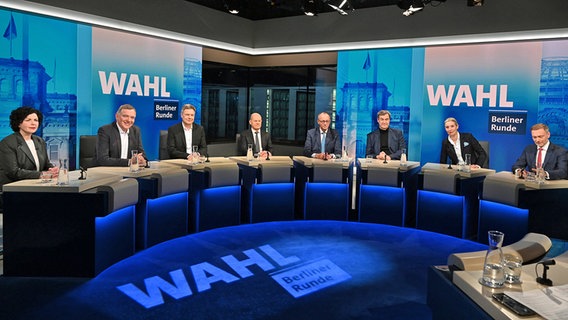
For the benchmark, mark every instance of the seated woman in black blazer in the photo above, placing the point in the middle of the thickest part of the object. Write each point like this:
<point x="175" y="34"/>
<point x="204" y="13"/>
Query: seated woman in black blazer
<point x="457" y="145"/>
<point x="23" y="155"/>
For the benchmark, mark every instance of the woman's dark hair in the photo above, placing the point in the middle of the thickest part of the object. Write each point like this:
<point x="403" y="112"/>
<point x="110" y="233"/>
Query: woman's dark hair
<point x="18" y="115"/>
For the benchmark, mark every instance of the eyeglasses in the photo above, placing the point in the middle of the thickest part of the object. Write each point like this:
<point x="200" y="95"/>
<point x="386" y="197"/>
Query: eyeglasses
<point x="324" y="121"/>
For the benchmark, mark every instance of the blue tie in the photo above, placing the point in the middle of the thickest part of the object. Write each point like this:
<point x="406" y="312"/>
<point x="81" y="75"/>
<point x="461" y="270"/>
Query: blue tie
<point x="323" y="142"/>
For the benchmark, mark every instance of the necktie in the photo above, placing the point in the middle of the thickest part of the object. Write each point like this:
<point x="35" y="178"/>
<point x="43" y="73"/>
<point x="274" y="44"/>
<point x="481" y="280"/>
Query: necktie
<point x="539" y="158"/>
<point x="323" y="142"/>
<point x="256" y="143"/>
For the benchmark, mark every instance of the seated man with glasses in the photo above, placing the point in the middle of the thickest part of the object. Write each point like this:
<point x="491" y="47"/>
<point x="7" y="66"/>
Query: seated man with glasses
<point x="324" y="136"/>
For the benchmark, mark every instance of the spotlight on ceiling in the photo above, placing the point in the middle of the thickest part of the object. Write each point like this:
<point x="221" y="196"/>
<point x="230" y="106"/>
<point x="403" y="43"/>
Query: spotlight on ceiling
<point x="310" y="8"/>
<point x="475" y="3"/>
<point x="341" y="6"/>
<point x="411" y="6"/>
<point x="232" y="6"/>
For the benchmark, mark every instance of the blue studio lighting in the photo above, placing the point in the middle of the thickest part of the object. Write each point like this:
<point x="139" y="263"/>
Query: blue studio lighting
<point x="114" y="237"/>
<point x="512" y="221"/>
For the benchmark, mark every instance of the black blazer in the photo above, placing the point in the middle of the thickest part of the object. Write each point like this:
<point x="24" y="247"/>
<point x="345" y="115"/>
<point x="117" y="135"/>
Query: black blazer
<point x="108" y="145"/>
<point x="313" y="142"/>
<point x="16" y="160"/>
<point x="395" y="140"/>
<point x="177" y="144"/>
<point x="468" y="145"/>
<point x="247" y="138"/>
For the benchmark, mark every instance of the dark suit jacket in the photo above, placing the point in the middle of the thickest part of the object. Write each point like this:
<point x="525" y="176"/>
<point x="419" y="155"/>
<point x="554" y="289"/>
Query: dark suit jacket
<point x="177" y="144"/>
<point x="396" y="143"/>
<point x="108" y="145"/>
<point x="313" y="142"/>
<point x="469" y="145"/>
<point x="554" y="162"/>
<point x="247" y="138"/>
<point x="16" y="160"/>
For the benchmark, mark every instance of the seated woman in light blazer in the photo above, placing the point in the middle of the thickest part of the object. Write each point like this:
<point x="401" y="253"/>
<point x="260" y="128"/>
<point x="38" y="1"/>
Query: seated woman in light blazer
<point x="457" y="145"/>
<point x="23" y="155"/>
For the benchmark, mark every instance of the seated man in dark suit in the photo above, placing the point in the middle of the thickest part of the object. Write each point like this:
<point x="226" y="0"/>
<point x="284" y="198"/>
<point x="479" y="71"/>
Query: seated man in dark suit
<point x="186" y="134"/>
<point x="116" y="141"/>
<point x="385" y="142"/>
<point x="315" y="137"/>
<point x="542" y="154"/>
<point x="250" y="137"/>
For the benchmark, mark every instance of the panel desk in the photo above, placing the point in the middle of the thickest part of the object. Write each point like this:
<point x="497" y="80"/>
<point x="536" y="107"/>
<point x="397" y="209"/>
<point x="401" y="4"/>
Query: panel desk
<point x="547" y="203"/>
<point x="200" y="202"/>
<point x="275" y="201"/>
<point x="459" y="191"/>
<point x="76" y="230"/>
<point x="162" y="209"/>
<point x="388" y="175"/>
<point x="467" y="282"/>
<point x="304" y="171"/>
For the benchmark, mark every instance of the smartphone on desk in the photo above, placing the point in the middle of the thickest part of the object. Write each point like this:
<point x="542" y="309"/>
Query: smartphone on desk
<point x="514" y="305"/>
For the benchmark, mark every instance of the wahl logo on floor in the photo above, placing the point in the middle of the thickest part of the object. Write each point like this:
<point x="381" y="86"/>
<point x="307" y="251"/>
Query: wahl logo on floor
<point x="297" y="279"/>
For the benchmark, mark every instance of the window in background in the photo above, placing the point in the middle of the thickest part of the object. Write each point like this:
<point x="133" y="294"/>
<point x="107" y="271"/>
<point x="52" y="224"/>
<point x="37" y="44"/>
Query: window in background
<point x="288" y="98"/>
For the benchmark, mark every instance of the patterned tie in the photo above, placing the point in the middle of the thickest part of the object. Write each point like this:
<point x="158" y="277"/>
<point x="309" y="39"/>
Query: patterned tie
<point x="323" y="142"/>
<point x="256" y="143"/>
<point x="539" y="158"/>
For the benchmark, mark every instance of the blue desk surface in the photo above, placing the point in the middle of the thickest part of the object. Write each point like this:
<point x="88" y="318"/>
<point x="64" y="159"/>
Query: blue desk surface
<point x="275" y="270"/>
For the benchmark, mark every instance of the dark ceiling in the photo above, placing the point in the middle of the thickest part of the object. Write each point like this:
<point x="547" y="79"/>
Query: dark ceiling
<point x="270" y="9"/>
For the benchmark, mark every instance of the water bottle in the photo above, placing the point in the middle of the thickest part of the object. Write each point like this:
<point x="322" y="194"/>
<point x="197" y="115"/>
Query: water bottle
<point x="250" y="156"/>
<point x="344" y="154"/>
<point x="63" y="177"/>
<point x="403" y="158"/>
<point x="493" y="272"/>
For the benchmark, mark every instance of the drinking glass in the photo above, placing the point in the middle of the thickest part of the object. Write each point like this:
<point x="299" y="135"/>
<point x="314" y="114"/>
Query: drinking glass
<point x="369" y="158"/>
<point x="134" y="165"/>
<point x="512" y="264"/>
<point x="467" y="164"/>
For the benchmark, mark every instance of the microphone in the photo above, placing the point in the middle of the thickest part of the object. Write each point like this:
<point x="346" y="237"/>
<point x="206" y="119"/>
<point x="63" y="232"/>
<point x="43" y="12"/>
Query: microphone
<point x="83" y="170"/>
<point x="550" y="262"/>
<point x="544" y="280"/>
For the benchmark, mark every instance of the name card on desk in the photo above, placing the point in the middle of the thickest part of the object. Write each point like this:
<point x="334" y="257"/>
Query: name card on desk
<point x="75" y="185"/>
<point x="445" y="167"/>
<point x="373" y="163"/>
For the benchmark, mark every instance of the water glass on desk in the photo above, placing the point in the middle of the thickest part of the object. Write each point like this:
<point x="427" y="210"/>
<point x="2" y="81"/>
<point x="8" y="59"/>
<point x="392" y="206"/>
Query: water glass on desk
<point x="531" y="177"/>
<point x="512" y="266"/>
<point x="369" y="159"/>
<point x="133" y="163"/>
<point x="46" y="177"/>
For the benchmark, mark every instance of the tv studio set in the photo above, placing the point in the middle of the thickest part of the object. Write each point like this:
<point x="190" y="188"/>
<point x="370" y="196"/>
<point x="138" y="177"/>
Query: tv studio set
<point x="283" y="159"/>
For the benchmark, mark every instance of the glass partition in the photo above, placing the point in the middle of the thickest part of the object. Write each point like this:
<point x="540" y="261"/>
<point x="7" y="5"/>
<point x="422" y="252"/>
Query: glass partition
<point x="288" y="98"/>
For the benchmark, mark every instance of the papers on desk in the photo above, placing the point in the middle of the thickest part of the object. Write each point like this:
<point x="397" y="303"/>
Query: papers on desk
<point x="551" y="303"/>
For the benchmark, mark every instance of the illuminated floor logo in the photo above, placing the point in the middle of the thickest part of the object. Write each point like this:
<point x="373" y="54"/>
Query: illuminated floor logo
<point x="311" y="277"/>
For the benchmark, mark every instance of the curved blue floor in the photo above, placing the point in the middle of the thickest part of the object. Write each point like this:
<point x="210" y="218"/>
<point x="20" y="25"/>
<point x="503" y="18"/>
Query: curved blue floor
<point x="275" y="270"/>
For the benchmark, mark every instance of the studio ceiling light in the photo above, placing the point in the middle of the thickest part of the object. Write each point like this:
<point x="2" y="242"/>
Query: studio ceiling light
<point x="232" y="6"/>
<point x="310" y="8"/>
<point x="475" y="3"/>
<point x="340" y="6"/>
<point x="411" y="6"/>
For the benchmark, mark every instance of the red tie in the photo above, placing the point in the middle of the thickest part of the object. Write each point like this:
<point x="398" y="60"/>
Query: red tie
<point x="539" y="158"/>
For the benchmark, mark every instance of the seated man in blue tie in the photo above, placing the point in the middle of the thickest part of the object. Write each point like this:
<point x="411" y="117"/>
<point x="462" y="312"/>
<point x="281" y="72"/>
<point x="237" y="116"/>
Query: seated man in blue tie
<point x="323" y="136"/>
<point x="258" y="139"/>
<point x="542" y="154"/>
<point x="385" y="143"/>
